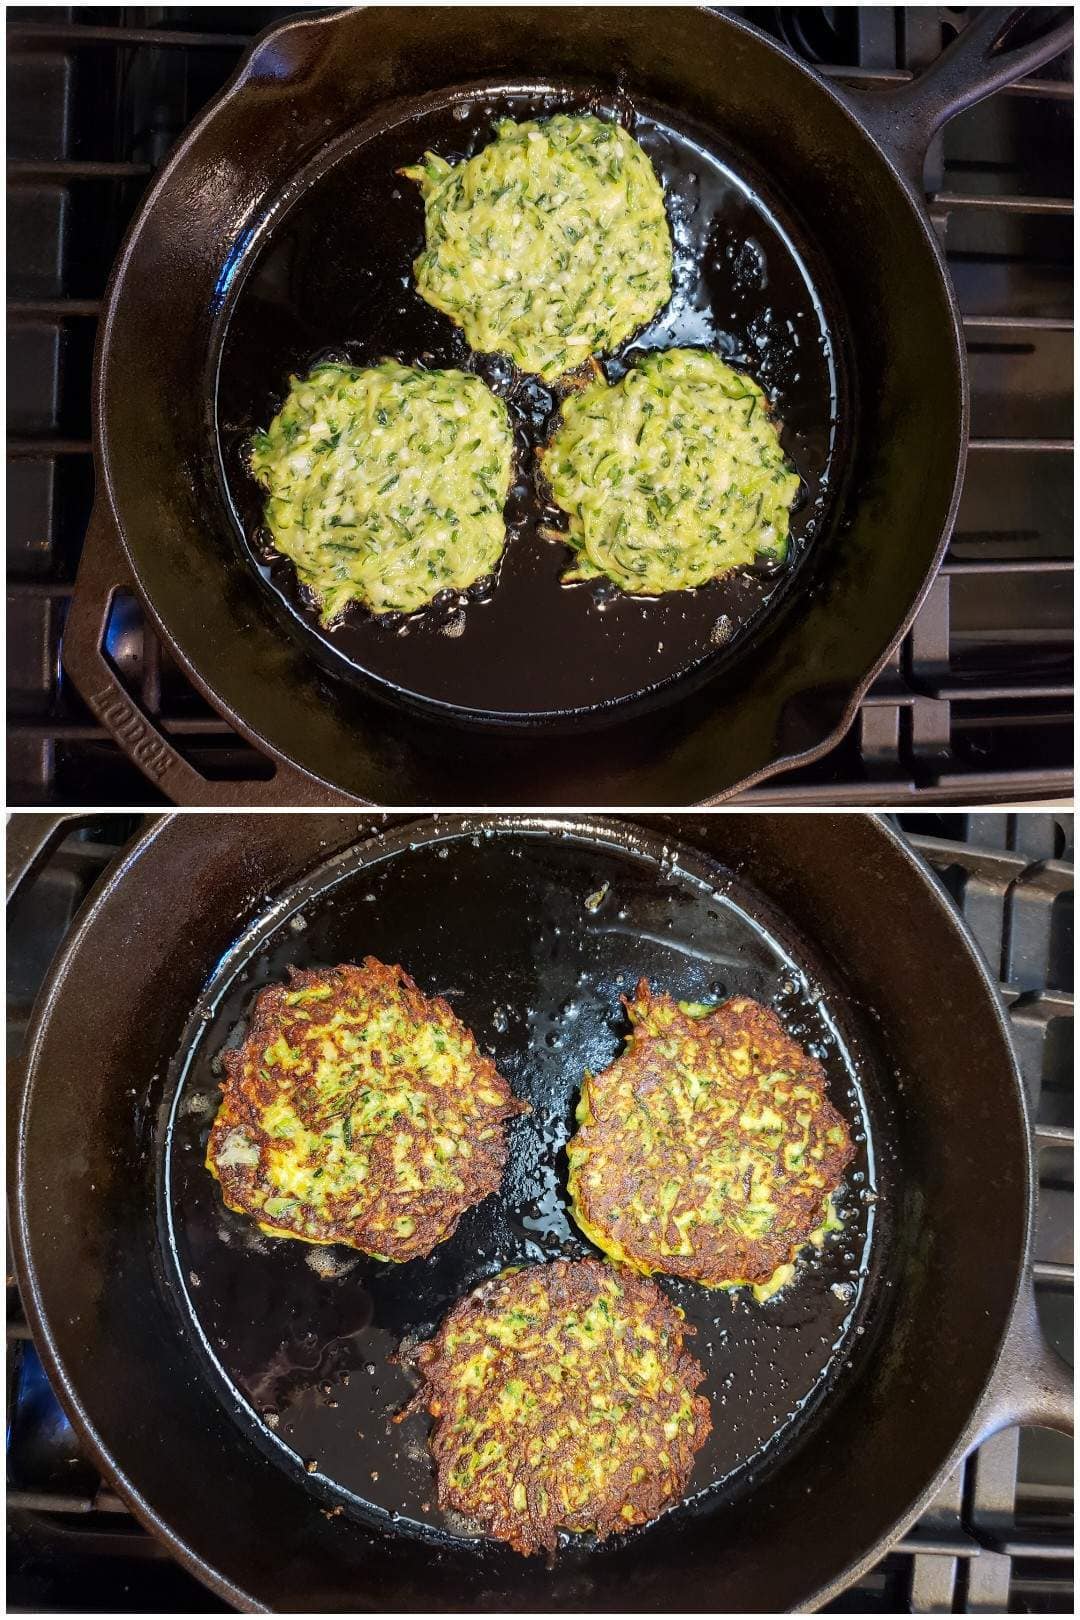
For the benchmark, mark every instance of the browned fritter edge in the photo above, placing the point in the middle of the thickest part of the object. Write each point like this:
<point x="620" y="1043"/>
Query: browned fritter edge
<point x="537" y="1532"/>
<point x="751" y="1261"/>
<point x="483" y="1172"/>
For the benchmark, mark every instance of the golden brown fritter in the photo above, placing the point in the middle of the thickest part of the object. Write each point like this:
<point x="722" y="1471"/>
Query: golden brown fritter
<point x="709" y="1148"/>
<point x="359" y="1111"/>
<point x="563" y="1398"/>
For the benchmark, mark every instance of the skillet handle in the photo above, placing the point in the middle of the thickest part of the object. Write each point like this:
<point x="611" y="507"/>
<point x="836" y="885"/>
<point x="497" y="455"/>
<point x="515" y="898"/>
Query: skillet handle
<point x="905" y="118"/>
<point x="33" y="837"/>
<point x="1032" y="1384"/>
<point x="103" y="570"/>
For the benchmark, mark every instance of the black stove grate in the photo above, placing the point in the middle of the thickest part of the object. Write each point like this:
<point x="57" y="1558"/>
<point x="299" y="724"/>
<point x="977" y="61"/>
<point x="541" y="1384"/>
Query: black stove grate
<point x="999" y="1536"/>
<point x="976" y="706"/>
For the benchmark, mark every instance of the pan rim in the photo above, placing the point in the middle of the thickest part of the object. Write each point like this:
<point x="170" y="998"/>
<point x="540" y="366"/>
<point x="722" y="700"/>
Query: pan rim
<point x="212" y="688"/>
<point x="52" y="987"/>
<point x="970" y="1434"/>
<point x="26" y="1272"/>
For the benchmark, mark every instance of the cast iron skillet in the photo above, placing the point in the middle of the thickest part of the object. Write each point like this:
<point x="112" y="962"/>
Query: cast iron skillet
<point x="203" y="1366"/>
<point x="277" y="232"/>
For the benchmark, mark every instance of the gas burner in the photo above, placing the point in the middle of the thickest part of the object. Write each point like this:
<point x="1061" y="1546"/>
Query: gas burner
<point x="820" y="34"/>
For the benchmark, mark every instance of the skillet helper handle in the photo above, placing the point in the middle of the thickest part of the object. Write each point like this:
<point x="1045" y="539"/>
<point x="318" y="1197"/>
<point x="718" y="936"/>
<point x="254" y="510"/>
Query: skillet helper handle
<point x="905" y="118"/>
<point x="1032" y="1383"/>
<point x="103" y="570"/>
<point x="33" y="837"/>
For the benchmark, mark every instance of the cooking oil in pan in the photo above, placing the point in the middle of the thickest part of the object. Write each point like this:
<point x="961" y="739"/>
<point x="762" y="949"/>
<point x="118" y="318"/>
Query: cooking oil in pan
<point x="532" y="932"/>
<point x="329" y="275"/>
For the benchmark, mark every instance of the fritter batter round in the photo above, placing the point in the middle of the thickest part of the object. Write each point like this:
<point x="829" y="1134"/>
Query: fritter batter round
<point x="550" y="245"/>
<point x="386" y="484"/>
<point x="359" y="1111"/>
<point x="671" y="477"/>
<point x="708" y="1149"/>
<point x="563" y="1398"/>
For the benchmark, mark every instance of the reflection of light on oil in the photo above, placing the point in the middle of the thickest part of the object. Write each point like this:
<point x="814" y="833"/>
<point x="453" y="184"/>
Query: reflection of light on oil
<point x="670" y="943"/>
<point x="230" y="267"/>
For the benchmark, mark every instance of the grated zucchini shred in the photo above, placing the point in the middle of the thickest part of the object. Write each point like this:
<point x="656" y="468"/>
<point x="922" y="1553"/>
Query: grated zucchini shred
<point x="387" y="484"/>
<point x="550" y="245"/>
<point x="672" y="477"/>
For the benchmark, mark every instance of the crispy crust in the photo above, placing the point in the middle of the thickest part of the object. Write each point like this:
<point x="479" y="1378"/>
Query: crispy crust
<point x="709" y="1148"/>
<point x="563" y="1397"/>
<point x="359" y="1111"/>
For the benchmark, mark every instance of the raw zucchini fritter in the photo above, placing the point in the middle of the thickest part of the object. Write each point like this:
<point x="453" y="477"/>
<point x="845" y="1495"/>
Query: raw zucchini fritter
<point x="563" y="1397"/>
<point x="550" y="245"/>
<point x="359" y="1111"/>
<point x="387" y="484"/>
<point x="671" y="478"/>
<point x="709" y="1148"/>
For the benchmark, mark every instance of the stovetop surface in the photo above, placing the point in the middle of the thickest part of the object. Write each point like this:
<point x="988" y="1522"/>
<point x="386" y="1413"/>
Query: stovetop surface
<point x="977" y="703"/>
<point x="998" y="1538"/>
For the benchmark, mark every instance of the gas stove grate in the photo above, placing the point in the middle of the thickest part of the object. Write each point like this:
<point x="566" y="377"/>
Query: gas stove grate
<point x="976" y="705"/>
<point x="999" y="1536"/>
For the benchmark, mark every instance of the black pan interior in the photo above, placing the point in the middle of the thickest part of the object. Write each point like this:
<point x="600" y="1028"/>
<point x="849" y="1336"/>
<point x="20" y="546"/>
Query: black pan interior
<point x="532" y="932"/>
<point x="328" y="274"/>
